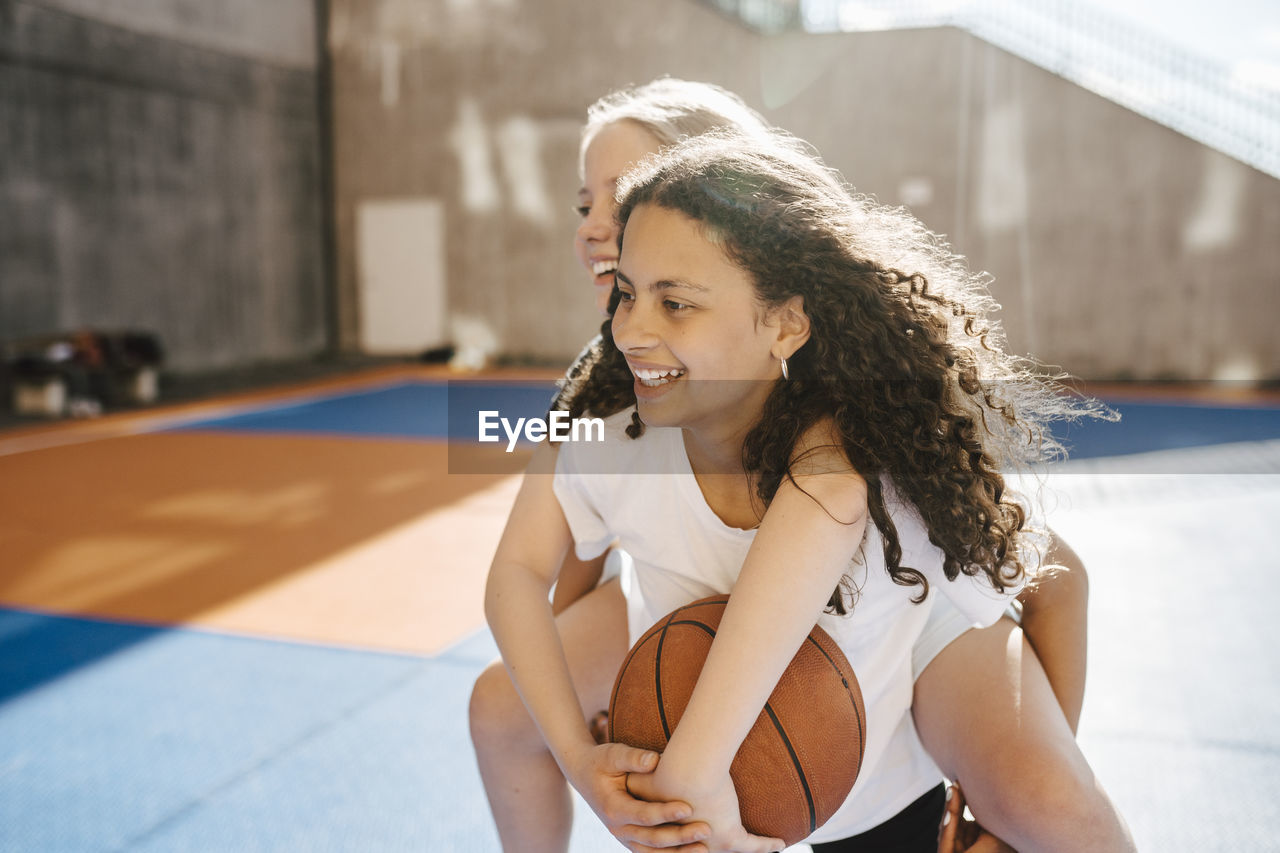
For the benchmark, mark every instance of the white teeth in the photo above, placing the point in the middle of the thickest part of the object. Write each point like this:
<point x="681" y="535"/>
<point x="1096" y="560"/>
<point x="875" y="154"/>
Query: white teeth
<point x="602" y="267"/>
<point x="653" y="378"/>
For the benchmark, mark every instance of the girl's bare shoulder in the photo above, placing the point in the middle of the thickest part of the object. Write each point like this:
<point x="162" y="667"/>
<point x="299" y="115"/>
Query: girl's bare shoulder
<point x="820" y="467"/>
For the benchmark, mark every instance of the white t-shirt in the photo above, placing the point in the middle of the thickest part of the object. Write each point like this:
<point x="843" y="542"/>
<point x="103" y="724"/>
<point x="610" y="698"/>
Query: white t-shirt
<point x="643" y="493"/>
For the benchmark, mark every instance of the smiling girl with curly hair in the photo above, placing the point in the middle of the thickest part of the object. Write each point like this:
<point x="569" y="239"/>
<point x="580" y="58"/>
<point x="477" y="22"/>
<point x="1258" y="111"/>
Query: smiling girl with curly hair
<point x="795" y="361"/>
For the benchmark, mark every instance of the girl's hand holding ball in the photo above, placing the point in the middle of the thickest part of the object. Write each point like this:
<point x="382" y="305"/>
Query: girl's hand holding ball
<point x="602" y="775"/>
<point x="716" y="810"/>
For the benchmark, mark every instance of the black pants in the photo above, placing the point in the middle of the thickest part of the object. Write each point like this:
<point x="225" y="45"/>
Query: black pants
<point x="912" y="830"/>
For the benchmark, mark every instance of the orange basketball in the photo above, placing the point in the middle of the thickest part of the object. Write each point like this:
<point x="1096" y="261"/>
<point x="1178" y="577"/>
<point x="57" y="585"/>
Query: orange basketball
<point x="800" y="759"/>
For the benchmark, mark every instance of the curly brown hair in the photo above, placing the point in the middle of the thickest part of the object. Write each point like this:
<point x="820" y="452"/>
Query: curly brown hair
<point x="901" y="357"/>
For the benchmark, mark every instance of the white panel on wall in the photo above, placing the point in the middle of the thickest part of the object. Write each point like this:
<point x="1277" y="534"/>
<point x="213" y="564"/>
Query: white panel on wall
<point x="401" y="275"/>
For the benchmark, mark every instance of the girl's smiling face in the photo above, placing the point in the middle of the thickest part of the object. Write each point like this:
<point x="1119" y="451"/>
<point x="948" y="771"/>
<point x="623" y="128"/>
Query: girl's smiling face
<point x="613" y="150"/>
<point x="703" y="352"/>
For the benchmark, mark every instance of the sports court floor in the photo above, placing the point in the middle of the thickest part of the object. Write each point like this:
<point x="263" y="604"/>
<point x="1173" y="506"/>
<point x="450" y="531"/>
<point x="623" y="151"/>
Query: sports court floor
<point x="253" y="624"/>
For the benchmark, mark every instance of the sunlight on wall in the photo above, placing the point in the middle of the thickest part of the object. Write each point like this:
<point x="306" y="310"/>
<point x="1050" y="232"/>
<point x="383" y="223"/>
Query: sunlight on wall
<point x="469" y="139"/>
<point x="519" y="144"/>
<point x="390" y="71"/>
<point x="1241" y="369"/>
<point x="1002" y="170"/>
<point x="1215" y="222"/>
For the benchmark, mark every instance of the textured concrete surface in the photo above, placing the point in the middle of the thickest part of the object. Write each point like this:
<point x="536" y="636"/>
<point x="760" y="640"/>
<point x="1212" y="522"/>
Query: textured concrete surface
<point x="164" y="168"/>
<point x="1119" y="248"/>
<point x="159" y="184"/>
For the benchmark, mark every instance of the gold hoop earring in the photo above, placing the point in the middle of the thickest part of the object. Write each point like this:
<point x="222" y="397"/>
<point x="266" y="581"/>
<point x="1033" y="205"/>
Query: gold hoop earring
<point x="785" y="375"/>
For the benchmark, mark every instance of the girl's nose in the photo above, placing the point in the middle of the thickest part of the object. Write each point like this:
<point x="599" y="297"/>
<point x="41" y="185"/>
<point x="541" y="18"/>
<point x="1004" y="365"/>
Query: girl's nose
<point x="631" y="331"/>
<point x="596" y="226"/>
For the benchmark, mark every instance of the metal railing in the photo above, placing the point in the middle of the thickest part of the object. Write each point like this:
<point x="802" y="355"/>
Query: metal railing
<point x="1212" y="102"/>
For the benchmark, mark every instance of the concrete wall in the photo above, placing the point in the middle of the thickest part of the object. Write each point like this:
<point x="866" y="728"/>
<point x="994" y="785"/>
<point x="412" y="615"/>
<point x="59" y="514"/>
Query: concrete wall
<point x="277" y="32"/>
<point x="478" y="104"/>
<point x="1119" y="248"/>
<point x="160" y="169"/>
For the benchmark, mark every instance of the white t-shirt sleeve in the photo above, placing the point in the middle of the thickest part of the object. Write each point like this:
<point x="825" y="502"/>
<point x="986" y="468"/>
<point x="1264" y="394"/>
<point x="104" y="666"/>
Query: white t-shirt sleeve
<point x="974" y="596"/>
<point x="572" y="489"/>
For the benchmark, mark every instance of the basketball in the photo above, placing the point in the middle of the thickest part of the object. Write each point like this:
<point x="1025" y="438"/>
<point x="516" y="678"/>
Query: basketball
<point x="802" y="755"/>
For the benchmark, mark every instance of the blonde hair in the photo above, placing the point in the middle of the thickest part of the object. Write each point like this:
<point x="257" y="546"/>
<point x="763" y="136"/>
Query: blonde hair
<point x="670" y="110"/>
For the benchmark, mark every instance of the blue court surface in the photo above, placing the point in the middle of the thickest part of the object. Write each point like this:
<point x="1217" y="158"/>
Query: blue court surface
<point x="1149" y="426"/>
<point x="414" y="410"/>
<point x="449" y="410"/>
<point x="119" y="736"/>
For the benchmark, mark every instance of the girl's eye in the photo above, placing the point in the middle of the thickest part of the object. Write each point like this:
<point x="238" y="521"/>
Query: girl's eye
<point x="672" y="305"/>
<point x="624" y="296"/>
<point x="583" y="210"/>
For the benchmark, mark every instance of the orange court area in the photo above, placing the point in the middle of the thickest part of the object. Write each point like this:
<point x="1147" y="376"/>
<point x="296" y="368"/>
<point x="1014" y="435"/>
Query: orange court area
<point x="355" y="541"/>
